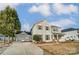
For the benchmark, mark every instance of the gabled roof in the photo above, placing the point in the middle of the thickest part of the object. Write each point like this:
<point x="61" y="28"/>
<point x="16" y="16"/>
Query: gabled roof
<point x="70" y="29"/>
<point x="37" y="23"/>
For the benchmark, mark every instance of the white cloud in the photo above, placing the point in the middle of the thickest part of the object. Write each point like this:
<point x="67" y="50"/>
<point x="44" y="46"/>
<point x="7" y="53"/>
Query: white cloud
<point x="26" y="27"/>
<point x="3" y="5"/>
<point x="64" y="23"/>
<point x="43" y="9"/>
<point x="47" y="10"/>
<point x="33" y="9"/>
<point x="65" y="9"/>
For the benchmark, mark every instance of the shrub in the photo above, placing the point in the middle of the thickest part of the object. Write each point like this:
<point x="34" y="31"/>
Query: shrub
<point x="36" y="38"/>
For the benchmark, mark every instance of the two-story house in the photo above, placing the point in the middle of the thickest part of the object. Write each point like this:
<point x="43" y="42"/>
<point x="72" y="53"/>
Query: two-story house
<point x="47" y="32"/>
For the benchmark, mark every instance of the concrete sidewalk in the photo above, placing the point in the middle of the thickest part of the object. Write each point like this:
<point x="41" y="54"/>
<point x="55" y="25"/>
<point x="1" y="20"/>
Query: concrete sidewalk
<point x="23" y="48"/>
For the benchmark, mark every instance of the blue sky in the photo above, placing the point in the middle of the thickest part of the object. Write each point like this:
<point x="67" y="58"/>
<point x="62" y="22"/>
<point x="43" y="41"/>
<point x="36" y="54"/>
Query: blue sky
<point x="62" y="15"/>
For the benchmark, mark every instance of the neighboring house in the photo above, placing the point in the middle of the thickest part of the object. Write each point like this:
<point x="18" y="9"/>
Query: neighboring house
<point x="23" y="36"/>
<point x="6" y="38"/>
<point x="47" y="32"/>
<point x="2" y="37"/>
<point x="70" y="34"/>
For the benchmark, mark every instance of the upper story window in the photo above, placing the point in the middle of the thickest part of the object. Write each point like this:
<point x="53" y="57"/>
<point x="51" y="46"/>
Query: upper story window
<point x="47" y="28"/>
<point x="39" y="27"/>
<point x="55" y="29"/>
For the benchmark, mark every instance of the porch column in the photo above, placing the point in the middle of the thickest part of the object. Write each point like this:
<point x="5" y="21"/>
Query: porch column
<point x="53" y="36"/>
<point x="57" y="37"/>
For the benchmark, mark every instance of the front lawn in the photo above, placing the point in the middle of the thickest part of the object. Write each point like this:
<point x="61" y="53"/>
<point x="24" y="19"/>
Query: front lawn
<point x="67" y="48"/>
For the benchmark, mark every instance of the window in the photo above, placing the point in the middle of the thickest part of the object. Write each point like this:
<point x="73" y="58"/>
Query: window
<point x="40" y="36"/>
<point x="47" y="28"/>
<point x="39" y="27"/>
<point x="55" y="29"/>
<point x="74" y="36"/>
<point x="78" y="36"/>
<point x="67" y="37"/>
<point x="77" y="31"/>
<point x="71" y="36"/>
<point x="47" y="37"/>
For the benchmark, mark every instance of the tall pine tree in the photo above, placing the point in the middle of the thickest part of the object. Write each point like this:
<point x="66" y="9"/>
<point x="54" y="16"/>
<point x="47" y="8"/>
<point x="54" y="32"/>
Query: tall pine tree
<point x="9" y="22"/>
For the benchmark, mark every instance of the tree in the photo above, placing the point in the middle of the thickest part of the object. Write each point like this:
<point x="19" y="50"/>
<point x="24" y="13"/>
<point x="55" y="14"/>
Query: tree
<point x="2" y="24"/>
<point x="9" y="22"/>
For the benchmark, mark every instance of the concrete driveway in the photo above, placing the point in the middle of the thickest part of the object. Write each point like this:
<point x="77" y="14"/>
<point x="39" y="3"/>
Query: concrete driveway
<point x="23" y="48"/>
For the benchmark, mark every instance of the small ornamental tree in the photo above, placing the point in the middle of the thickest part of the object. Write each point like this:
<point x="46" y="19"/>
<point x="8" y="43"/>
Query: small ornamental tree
<point x="36" y="38"/>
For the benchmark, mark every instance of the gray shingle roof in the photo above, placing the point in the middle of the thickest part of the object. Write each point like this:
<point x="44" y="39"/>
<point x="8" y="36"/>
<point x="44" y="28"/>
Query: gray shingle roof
<point x="70" y="29"/>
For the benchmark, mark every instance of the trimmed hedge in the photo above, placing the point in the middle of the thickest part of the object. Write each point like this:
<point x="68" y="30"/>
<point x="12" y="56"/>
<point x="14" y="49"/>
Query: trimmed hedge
<point x="36" y="38"/>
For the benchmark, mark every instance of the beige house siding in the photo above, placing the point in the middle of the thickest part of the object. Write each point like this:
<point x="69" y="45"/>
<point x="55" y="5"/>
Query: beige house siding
<point x="43" y="31"/>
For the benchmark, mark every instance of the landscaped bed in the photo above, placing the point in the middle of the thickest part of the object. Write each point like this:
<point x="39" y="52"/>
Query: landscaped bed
<point x="66" y="48"/>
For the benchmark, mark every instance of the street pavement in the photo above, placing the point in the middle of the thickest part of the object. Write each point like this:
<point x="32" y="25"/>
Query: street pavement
<point x="23" y="48"/>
